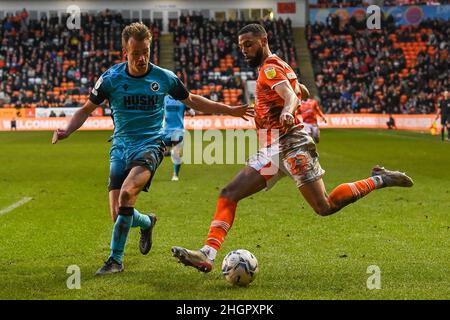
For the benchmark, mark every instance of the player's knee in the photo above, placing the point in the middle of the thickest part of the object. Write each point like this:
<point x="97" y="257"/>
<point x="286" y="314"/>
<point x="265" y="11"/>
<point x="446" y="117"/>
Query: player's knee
<point x="126" y="195"/>
<point x="176" y="156"/>
<point x="323" y="210"/>
<point x="226" y="192"/>
<point x="320" y="211"/>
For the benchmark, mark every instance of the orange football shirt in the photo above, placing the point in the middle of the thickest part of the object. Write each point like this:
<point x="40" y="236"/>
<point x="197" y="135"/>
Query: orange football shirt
<point x="308" y="111"/>
<point x="269" y="104"/>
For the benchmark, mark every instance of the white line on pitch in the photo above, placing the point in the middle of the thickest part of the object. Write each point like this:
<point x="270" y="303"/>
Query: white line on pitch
<point x="15" y="205"/>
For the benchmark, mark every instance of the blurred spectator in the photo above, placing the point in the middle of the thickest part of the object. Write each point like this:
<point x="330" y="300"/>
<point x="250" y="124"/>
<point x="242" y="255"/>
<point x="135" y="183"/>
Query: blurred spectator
<point x="391" y="123"/>
<point x="4" y="98"/>
<point x="13" y="124"/>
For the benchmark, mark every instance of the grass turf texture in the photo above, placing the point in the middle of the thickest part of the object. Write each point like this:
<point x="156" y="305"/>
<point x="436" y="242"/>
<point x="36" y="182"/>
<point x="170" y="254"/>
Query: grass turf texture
<point x="301" y="255"/>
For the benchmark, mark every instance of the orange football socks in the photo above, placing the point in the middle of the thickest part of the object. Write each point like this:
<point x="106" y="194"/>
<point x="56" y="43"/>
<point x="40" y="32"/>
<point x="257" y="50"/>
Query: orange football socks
<point x="347" y="193"/>
<point x="223" y="220"/>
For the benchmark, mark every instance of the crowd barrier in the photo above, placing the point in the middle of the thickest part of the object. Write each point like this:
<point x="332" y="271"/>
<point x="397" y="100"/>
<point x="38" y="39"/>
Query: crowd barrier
<point x="376" y="121"/>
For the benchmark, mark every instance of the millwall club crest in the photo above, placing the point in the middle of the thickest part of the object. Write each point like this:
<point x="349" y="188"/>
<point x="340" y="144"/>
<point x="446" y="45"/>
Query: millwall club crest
<point x="154" y="86"/>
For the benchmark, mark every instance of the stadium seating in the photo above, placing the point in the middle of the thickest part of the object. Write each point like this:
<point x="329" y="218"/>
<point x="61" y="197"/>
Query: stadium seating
<point x="43" y="64"/>
<point x="62" y="69"/>
<point x="208" y="59"/>
<point x="393" y="70"/>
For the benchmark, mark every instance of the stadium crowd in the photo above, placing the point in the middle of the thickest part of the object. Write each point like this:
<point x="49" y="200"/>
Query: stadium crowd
<point x="207" y="56"/>
<point x="392" y="70"/>
<point x="44" y="64"/>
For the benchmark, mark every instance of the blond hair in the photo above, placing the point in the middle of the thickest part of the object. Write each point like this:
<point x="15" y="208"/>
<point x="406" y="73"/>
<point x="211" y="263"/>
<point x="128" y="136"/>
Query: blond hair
<point x="138" y="31"/>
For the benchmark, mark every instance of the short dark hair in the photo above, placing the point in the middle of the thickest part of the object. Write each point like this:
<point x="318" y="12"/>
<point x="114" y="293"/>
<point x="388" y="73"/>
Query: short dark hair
<point x="255" y="28"/>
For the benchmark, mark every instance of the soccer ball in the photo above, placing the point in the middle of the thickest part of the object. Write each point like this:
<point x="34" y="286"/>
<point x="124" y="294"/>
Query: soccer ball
<point x="240" y="267"/>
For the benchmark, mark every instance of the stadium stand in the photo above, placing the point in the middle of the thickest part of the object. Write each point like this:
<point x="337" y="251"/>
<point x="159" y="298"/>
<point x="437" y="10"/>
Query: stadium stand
<point x="56" y="67"/>
<point x="392" y="70"/>
<point x="207" y="56"/>
<point x="44" y="64"/>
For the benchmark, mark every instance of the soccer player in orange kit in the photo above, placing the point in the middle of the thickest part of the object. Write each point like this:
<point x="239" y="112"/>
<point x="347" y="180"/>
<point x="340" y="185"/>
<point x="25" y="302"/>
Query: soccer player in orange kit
<point x="308" y="111"/>
<point x="290" y="152"/>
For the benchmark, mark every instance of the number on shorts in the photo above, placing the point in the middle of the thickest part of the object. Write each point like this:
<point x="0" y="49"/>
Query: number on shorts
<point x="298" y="164"/>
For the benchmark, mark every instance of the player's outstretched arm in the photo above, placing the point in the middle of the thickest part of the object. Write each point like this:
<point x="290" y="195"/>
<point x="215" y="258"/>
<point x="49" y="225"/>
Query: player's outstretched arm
<point x="203" y="104"/>
<point x="75" y="122"/>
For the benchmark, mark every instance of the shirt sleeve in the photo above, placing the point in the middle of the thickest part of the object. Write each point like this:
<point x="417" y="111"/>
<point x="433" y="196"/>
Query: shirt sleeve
<point x="100" y="92"/>
<point x="177" y="89"/>
<point x="272" y="75"/>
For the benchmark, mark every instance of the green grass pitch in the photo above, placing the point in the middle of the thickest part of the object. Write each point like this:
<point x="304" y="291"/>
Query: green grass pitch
<point x="405" y="232"/>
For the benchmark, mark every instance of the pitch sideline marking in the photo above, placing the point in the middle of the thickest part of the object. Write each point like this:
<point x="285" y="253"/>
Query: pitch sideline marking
<point x="15" y="205"/>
